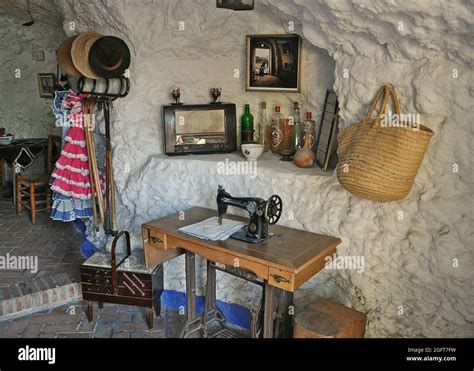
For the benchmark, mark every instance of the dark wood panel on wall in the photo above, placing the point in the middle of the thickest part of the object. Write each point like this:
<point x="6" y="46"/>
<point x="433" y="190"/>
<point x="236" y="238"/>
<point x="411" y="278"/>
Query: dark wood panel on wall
<point x="326" y="156"/>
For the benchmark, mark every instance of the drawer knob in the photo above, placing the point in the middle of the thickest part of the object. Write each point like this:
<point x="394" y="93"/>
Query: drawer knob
<point x="156" y="239"/>
<point x="280" y="279"/>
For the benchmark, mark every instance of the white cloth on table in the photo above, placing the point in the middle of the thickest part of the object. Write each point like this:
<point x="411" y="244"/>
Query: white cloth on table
<point x="210" y="229"/>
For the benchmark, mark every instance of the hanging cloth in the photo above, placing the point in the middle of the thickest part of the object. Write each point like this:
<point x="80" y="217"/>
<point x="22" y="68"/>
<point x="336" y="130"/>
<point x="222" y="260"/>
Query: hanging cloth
<point x="25" y="158"/>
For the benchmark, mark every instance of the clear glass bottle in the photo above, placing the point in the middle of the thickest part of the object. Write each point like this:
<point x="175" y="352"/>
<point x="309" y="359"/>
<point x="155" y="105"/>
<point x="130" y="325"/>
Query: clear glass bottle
<point x="297" y="126"/>
<point x="263" y="126"/>
<point x="309" y="131"/>
<point x="276" y="130"/>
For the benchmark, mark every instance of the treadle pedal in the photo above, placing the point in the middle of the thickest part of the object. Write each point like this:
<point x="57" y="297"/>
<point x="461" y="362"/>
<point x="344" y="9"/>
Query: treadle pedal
<point x="225" y="334"/>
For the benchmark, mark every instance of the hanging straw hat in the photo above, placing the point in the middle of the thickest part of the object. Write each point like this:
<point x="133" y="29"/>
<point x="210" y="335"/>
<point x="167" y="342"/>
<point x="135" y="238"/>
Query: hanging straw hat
<point x="80" y="53"/>
<point x="109" y="57"/>
<point x="63" y="56"/>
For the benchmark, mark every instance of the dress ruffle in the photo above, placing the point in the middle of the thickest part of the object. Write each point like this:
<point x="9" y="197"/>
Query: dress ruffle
<point x="71" y="175"/>
<point x="66" y="209"/>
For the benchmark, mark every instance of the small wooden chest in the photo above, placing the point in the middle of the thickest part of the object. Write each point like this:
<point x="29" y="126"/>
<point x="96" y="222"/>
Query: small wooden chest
<point x="326" y="319"/>
<point x="122" y="278"/>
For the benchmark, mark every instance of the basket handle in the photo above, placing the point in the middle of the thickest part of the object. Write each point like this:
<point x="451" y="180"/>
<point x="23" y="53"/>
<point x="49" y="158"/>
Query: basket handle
<point x="384" y="94"/>
<point x="113" y="257"/>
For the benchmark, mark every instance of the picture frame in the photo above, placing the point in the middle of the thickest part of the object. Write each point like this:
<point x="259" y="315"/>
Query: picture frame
<point x="235" y="4"/>
<point x="326" y="149"/>
<point x="273" y="63"/>
<point x="46" y="83"/>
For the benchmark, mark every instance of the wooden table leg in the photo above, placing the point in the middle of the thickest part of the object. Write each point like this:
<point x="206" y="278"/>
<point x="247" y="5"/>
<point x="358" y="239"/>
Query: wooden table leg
<point x="3" y="174"/>
<point x="158" y="287"/>
<point x="14" y="183"/>
<point x="284" y="318"/>
<point x="90" y="311"/>
<point x="269" y="311"/>
<point x="193" y="323"/>
<point x="278" y="321"/>
<point x="149" y="318"/>
<point x="191" y="285"/>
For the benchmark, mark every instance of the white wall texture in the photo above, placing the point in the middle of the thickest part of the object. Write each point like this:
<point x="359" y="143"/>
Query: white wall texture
<point x="418" y="277"/>
<point x="22" y="111"/>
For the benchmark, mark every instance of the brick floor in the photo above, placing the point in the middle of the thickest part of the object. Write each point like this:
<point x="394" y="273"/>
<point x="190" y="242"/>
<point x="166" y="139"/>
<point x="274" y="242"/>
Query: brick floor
<point x="57" y="247"/>
<point x="56" y="244"/>
<point x="113" y="321"/>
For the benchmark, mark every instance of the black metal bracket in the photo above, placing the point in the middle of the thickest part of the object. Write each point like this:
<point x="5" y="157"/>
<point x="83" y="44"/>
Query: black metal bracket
<point x="103" y="93"/>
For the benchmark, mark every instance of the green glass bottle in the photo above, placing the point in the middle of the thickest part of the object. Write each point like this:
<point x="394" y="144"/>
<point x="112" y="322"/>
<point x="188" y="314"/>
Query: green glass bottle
<point x="246" y="122"/>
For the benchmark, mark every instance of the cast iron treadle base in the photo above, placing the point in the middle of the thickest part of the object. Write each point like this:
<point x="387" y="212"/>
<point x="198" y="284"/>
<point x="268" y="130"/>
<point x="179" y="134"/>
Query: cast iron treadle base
<point x="225" y="334"/>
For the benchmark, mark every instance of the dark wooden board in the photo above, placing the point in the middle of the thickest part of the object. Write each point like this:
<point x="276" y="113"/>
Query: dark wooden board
<point x="117" y="299"/>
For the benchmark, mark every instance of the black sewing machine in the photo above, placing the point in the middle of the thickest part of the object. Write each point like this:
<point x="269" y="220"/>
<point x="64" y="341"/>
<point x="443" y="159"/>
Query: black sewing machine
<point x="262" y="212"/>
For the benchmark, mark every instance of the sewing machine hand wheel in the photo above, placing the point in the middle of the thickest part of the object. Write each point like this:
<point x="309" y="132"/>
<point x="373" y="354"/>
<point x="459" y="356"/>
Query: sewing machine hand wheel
<point x="273" y="209"/>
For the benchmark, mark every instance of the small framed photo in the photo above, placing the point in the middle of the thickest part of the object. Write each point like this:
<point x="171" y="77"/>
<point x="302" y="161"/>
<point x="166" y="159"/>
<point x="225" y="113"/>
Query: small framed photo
<point x="273" y="63"/>
<point x="46" y="82"/>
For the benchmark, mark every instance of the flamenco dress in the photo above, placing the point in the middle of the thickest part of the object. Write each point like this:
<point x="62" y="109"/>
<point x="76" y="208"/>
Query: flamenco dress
<point x="70" y="180"/>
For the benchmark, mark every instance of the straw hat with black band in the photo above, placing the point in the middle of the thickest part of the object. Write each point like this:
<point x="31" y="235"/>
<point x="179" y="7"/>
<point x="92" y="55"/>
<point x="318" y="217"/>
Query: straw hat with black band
<point x="109" y="57"/>
<point x="80" y="53"/>
<point x="63" y="56"/>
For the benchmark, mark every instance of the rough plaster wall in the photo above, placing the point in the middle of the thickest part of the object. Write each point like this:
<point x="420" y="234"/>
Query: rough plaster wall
<point x="409" y="262"/>
<point x="22" y="111"/>
<point x="203" y="55"/>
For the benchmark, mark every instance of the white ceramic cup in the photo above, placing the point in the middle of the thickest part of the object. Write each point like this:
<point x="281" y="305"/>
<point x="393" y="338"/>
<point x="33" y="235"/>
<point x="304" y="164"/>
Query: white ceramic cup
<point x="252" y="151"/>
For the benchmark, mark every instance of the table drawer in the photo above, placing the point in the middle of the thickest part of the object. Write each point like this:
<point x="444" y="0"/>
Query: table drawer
<point x="260" y="270"/>
<point x="157" y="239"/>
<point x="282" y="279"/>
<point x="157" y="248"/>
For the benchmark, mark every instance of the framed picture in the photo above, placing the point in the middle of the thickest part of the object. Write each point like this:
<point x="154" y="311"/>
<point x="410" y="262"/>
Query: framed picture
<point x="235" y="4"/>
<point x="46" y="82"/>
<point x="273" y="63"/>
<point x="326" y="155"/>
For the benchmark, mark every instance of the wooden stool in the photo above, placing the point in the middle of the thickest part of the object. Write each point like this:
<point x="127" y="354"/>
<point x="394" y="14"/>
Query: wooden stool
<point x="326" y="319"/>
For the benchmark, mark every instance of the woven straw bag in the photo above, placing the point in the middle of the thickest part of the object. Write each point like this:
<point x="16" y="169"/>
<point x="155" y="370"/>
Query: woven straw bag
<point x="379" y="162"/>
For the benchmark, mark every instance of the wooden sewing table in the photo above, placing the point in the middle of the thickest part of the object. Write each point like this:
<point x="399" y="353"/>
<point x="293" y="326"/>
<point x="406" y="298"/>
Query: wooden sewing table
<point x="284" y="262"/>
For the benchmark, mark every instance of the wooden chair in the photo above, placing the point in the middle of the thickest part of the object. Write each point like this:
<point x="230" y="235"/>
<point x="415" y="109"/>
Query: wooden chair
<point x="28" y="187"/>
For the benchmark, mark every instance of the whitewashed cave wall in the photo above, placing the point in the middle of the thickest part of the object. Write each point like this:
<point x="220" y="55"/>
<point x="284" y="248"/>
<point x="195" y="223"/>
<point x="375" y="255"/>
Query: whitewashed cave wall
<point x="411" y="285"/>
<point x="22" y="111"/>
